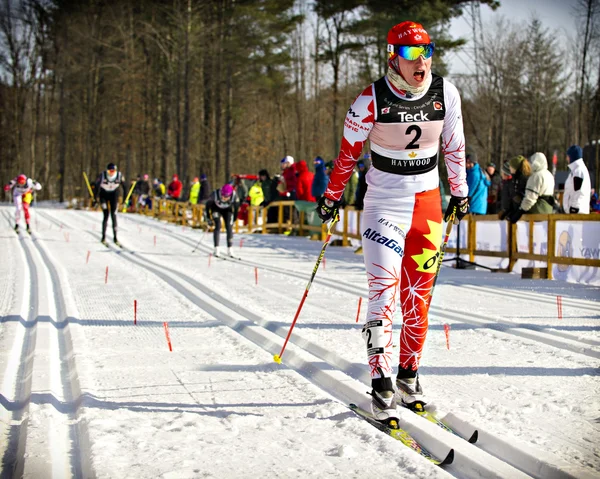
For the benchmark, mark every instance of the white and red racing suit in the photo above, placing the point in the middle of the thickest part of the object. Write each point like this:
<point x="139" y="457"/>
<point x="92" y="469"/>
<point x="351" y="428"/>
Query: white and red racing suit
<point x="22" y="195"/>
<point x="401" y="225"/>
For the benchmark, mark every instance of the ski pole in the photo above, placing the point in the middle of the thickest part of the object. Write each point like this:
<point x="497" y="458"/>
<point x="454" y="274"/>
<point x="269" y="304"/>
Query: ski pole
<point x="277" y="357"/>
<point x="441" y="257"/>
<point x="200" y="241"/>
<point x="87" y="182"/>
<point x="128" y="196"/>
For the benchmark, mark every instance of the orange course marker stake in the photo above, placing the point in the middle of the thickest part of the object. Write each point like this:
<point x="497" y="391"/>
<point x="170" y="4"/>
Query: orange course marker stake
<point x="154" y="240"/>
<point x="87" y="259"/>
<point x="166" y="326"/>
<point x="135" y="311"/>
<point x="256" y="275"/>
<point x="559" y="306"/>
<point x="447" y="331"/>
<point x="358" y="312"/>
<point x="106" y="276"/>
<point x="241" y="242"/>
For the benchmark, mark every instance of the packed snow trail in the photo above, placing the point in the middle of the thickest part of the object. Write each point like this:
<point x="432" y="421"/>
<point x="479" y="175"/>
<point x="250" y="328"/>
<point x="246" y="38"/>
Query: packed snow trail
<point x="119" y="354"/>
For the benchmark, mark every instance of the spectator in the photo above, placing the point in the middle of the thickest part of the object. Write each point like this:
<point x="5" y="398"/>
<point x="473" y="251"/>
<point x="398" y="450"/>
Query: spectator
<point x="304" y="181"/>
<point x="520" y="169"/>
<point x="507" y="191"/>
<point x="240" y="189"/>
<point x="594" y="202"/>
<point x="142" y="190"/>
<point x="478" y="186"/>
<point x="578" y="186"/>
<point x="349" y="198"/>
<point x="320" y="180"/>
<point x="205" y="190"/>
<point x="158" y="188"/>
<point x="268" y="185"/>
<point x="194" y="191"/>
<point x="257" y="197"/>
<point x="494" y="188"/>
<point x="288" y="182"/>
<point x="174" y="188"/>
<point x="539" y="191"/>
<point x="361" y="189"/>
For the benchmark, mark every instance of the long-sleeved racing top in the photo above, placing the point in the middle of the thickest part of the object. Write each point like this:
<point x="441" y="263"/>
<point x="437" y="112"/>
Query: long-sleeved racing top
<point x="404" y="134"/>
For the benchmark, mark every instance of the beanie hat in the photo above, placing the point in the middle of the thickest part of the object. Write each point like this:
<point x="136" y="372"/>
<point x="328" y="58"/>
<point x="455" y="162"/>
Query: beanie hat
<point x="472" y="157"/>
<point x="408" y="33"/>
<point x="506" y="168"/>
<point x="574" y="153"/>
<point x="263" y="173"/>
<point x="227" y="190"/>
<point x="516" y="161"/>
<point x="492" y="164"/>
<point x="288" y="159"/>
<point x="202" y="176"/>
<point x="318" y="161"/>
<point x="111" y="166"/>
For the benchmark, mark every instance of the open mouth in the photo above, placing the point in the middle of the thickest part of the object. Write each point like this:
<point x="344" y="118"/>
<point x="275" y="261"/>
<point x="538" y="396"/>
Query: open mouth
<point x="419" y="75"/>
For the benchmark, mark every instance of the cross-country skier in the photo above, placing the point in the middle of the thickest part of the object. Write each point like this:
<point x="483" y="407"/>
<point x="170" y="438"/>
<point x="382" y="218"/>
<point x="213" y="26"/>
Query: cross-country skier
<point x="22" y="191"/>
<point x="403" y="115"/>
<point x="223" y="203"/>
<point x="107" y="191"/>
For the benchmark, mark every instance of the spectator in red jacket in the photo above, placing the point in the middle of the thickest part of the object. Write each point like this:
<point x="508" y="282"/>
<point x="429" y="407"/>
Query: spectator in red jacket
<point x="304" y="180"/>
<point x="174" y="188"/>
<point x="288" y="174"/>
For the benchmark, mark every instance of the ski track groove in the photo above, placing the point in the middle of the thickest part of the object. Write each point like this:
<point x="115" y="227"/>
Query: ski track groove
<point x="496" y="447"/>
<point x="77" y="442"/>
<point x="558" y="339"/>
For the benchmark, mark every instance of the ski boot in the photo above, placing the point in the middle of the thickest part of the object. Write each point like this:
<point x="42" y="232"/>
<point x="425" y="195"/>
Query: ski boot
<point x="230" y="251"/>
<point x="103" y="241"/>
<point x="410" y="392"/>
<point x="28" y="229"/>
<point x="17" y="228"/>
<point x="216" y="252"/>
<point x="383" y="402"/>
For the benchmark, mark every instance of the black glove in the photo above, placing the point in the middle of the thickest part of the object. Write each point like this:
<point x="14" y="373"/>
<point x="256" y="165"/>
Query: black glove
<point x="515" y="215"/>
<point x="459" y="205"/>
<point x="327" y="209"/>
<point x="573" y="210"/>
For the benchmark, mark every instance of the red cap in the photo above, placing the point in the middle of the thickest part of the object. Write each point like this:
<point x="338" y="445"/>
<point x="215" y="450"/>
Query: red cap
<point x="408" y="33"/>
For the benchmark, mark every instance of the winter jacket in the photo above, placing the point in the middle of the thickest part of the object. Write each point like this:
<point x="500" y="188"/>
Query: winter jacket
<point x="194" y="192"/>
<point x="174" y="188"/>
<point x="578" y="189"/>
<point x="205" y="190"/>
<point x="320" y="179"/>
<point x="539" y="192"/>
<point x="289" y="180"/>
<point x="478" y="190"/>
<point x="494" y="192"/>
<point x="256" y="194"/>
<point x="505" y="199"/>
<point x="304" y="182"/>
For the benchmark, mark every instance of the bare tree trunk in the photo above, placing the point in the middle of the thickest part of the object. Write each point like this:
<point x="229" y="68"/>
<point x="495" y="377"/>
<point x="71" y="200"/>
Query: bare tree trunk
<point x="186" y="97"/>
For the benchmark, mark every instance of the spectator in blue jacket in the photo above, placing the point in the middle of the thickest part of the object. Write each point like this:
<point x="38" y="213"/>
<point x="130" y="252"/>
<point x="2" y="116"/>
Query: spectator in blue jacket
<point x="478" y="186"/>
<point x="320" y="180"/>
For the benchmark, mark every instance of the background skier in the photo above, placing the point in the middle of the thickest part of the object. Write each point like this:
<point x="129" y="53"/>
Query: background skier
<point x="22" y="190"/>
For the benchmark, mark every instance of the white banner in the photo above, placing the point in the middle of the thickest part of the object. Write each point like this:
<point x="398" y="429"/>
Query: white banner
<point x="577" y="240"/>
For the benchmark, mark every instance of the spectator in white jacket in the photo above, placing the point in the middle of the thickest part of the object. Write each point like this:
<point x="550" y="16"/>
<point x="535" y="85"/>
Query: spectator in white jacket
<point x="539" y="191"/>
<point x="578" y="189"/>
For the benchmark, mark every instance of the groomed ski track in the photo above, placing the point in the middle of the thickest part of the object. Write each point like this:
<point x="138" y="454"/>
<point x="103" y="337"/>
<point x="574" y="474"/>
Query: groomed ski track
<point x="44" y="382"/>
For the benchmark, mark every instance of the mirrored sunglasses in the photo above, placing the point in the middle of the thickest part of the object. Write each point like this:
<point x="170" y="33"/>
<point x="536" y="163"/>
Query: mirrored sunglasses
<point x="412" y="52"/>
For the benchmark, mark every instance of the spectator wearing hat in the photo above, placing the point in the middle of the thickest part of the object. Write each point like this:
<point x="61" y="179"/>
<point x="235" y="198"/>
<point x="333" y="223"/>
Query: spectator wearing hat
<point x="349" y="197"/>
<point x="539" y="191"/>
<point x="205" y="190"/>
<point x="494" y="188"/>
<point x="287" y="186"/>
<point x="578" y="186"/>
<point x="478" y="186"/>
<point x="174" y="188"/>
<point x="507" y="191"/>
<point x="320" y="180"/>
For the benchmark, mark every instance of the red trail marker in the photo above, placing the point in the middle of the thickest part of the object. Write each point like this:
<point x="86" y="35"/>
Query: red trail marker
<point x="106" y="276"/>
<point x="358" y="312"/>
<point x="166" y="326"/>
<point x="135" y="311"/>
<point x="447" y="331"/>
<point x="559" y="306"/>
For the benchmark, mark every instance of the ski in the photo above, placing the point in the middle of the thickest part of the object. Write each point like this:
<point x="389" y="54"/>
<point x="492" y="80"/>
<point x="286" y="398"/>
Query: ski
<point x="402" y="436"/>
<point x="228" y="258"/>
<point x="105" y="243"/>
<point x="420" y="410"/>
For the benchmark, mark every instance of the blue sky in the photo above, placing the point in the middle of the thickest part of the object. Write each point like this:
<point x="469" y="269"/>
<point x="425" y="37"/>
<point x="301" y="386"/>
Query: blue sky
<point x="556" y="15"/>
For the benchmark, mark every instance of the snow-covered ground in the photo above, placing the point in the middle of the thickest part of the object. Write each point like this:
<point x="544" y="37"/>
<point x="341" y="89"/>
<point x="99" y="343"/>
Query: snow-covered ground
<point x="85" y="392"/>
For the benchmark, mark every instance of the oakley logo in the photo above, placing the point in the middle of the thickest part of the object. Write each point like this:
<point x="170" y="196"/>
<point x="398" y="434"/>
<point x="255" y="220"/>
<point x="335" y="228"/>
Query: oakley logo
<point x="390" y="243"/>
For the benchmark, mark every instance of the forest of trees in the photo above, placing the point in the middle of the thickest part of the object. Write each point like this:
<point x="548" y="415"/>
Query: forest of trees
<point x="232" y="86"/>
